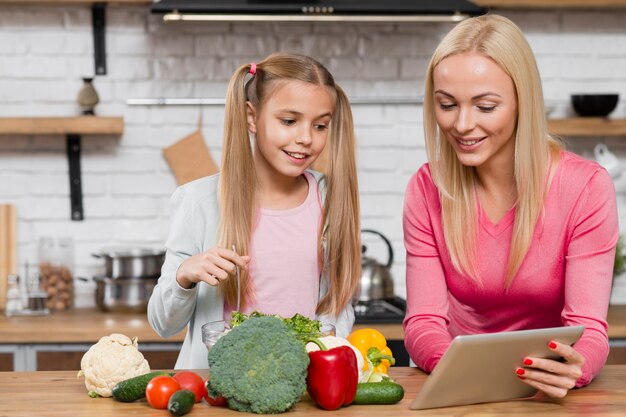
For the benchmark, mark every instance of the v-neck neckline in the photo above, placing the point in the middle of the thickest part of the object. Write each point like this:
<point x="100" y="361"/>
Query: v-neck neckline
<point x="495" y="229"/>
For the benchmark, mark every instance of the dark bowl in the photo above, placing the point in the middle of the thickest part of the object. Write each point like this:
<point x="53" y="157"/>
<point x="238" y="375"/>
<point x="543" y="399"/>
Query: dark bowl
<point x="594" y="105"/>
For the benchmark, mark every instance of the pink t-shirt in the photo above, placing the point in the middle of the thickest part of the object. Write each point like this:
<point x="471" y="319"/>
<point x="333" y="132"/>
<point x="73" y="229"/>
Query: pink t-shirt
<point x="564" y="280"/>
<point x="284" y="268"/>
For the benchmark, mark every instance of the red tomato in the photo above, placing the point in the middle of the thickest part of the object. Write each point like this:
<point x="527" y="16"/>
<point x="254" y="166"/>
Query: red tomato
<point x="160" y="389"/>
<point x="215" y="402"/>
<point x="191" y="381"/>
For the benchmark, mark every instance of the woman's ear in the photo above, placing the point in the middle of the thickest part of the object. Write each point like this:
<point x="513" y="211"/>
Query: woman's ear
<point x="251" y="117"/>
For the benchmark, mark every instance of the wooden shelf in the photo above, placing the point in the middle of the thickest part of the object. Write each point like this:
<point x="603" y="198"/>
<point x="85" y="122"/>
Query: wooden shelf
<point x="552" y="4"/>
<point x="81" y="125"/>
<point x="588" y="126"/>
<point x="72" y="128"/>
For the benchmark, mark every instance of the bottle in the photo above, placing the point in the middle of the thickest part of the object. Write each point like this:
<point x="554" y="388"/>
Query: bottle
<point x="88" y="97"/>
<point x="37" y="297"/>
<point x="14" y="296"/>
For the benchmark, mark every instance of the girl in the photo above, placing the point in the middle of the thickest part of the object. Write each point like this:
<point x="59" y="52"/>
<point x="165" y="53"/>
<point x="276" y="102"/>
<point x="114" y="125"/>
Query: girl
<point x="295" y="232"/>
<point x="504" y="230"/>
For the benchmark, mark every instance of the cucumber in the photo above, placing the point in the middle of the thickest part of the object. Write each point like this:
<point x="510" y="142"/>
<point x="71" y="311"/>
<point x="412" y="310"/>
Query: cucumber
<point x="133" y="389"/>
<point x="181" y="402"/>
<point x="384" y="392"/>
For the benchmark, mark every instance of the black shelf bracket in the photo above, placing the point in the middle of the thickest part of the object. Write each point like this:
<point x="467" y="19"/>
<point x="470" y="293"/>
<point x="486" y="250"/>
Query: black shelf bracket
<point x="76" y="187"/>
<point x="98" y="17"/>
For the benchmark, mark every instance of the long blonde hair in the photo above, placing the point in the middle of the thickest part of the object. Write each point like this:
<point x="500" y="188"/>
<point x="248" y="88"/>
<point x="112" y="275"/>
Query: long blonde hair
<point x="536" y="152"/>
<point x="340" y="231"/>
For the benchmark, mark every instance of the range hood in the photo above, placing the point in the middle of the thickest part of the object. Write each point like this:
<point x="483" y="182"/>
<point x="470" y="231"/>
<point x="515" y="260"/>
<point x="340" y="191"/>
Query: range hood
<point x="317" y="10"/>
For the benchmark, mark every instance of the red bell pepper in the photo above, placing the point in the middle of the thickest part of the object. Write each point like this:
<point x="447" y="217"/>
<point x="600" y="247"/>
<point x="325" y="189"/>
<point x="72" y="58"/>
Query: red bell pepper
<point x="332" y="376"/>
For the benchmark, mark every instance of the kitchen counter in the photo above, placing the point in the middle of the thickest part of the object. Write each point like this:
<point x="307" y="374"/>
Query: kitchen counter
<point x="89" y="325"/>
<point x="59" y="393"/>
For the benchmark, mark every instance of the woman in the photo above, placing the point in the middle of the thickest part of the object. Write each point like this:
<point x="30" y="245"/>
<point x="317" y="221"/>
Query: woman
<point x="504" y="230"/>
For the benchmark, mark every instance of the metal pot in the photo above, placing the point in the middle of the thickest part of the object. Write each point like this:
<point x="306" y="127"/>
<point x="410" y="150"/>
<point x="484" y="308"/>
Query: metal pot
<point x="132" y="263"/>
<point x="126" y="295"/>
<point x="376" y="280"/>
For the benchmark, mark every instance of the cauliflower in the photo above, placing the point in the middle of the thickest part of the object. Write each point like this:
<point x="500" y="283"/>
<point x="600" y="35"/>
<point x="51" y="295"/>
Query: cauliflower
<point x="113" y="359"/>
<point x="332" y="342"/>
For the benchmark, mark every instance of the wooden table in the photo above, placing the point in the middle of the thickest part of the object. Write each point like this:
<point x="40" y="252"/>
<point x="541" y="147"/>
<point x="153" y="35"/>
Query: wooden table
<point x="60" y="393"/>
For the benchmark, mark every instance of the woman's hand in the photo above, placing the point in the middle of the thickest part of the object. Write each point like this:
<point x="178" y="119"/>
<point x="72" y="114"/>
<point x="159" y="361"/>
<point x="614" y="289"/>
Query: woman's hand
<point x="212" y="267"/>
<point x="552" y="377"/>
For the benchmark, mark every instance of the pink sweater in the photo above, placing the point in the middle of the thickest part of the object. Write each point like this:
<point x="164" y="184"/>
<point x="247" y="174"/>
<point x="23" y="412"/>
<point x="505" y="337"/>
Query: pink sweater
<point x="564" y="280"/>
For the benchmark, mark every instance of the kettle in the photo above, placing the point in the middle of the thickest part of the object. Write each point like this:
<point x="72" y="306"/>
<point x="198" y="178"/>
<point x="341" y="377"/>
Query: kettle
<point x="376" y="281"/>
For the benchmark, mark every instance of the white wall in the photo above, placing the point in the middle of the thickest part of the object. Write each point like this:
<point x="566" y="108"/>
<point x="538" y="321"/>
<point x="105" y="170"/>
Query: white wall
<point x="44" y="52"/>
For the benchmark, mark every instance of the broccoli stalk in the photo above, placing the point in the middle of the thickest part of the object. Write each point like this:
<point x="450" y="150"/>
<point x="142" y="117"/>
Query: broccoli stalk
<point x="259" y="366"/>
<point x="374" y="358"/>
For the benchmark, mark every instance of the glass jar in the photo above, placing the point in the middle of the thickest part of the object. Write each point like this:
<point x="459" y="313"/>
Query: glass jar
<point x="56" y="258"/>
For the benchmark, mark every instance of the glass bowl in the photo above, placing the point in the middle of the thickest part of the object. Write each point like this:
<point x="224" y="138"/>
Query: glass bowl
<point x="213" y="331"/>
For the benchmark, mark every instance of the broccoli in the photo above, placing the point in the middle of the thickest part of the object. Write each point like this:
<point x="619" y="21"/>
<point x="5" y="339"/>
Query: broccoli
<point x="259" y="366"/>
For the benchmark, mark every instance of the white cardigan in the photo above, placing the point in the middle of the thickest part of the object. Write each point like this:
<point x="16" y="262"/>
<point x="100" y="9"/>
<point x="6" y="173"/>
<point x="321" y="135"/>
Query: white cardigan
<point x="194" y="222"/>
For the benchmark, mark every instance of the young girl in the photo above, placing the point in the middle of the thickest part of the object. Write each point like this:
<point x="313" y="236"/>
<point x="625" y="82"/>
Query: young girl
<point x="293" y="233"/>
<point x="504" y="230"/>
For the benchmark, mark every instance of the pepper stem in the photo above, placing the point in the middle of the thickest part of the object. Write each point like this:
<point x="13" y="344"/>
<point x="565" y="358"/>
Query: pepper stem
<point x="315" y="340"/>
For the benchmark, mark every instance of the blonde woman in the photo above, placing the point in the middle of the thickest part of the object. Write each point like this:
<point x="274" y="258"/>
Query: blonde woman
<point x="504" y="230"/>
<point x="295" y="232"/>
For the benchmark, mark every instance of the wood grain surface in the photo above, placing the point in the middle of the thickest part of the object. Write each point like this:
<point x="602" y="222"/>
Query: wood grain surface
<point x="587" y="126"/>
<point x="43" y="394"/>
<point x="93" y="125"/>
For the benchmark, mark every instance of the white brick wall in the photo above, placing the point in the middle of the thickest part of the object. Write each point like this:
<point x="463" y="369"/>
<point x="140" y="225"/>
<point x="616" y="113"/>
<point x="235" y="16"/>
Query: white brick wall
<point x="44" y="52"/>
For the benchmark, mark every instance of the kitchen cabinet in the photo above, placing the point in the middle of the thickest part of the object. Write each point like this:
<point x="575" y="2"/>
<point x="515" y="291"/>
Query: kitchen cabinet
<point x="6" y="361"/>
<point x="67" y="356"/>
<point x="59" y="340"/>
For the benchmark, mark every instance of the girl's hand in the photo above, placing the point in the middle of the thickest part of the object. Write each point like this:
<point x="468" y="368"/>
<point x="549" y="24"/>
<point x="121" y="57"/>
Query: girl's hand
<point x="552" y="377"/>
<point x="212" y="267"/>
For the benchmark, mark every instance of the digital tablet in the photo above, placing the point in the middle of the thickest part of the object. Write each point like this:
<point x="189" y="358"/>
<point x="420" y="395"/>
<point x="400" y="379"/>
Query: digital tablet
<point x="481" y="368"/>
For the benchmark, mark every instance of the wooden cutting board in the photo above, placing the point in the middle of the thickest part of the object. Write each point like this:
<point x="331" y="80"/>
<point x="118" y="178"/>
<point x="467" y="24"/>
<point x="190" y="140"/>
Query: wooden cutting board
<point x="8" y="248"/>
<point x="189" y="158"/>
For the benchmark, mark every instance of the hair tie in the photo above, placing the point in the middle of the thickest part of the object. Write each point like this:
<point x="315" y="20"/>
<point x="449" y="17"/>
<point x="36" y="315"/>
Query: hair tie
<point x="252" y="68"/>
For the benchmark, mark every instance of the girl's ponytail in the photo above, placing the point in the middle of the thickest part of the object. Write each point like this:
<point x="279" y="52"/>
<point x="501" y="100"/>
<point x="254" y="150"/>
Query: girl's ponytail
<point x="341" y="211"/>
<point x="237" y="181"/>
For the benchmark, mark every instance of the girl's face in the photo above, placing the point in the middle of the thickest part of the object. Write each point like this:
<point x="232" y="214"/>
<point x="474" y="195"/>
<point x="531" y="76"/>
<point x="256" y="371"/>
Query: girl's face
<point x="291" y="128"/>
<point x="476" y="110"/>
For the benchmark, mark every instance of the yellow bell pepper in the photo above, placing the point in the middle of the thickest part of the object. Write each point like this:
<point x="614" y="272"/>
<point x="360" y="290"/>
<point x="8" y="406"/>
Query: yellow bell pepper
<point x="373" y="345"/>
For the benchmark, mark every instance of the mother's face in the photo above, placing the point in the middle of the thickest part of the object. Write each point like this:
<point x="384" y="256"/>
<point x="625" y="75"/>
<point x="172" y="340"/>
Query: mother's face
<point x="476" y="109"/>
